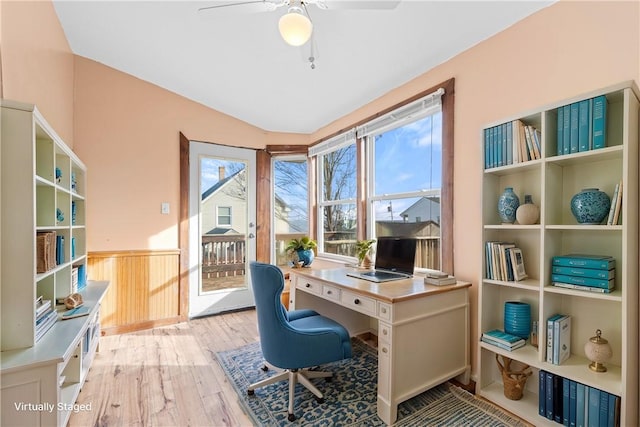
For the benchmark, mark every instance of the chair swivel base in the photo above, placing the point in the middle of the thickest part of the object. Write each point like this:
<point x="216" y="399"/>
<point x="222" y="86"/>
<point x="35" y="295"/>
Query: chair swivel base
<point x="302" y="376"/>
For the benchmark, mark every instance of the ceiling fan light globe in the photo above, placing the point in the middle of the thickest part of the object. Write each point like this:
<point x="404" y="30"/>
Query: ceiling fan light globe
<point x="295" y="28"/>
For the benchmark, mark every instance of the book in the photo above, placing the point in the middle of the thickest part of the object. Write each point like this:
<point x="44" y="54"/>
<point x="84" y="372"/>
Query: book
<point x="604" y="408"/>
<point x="573" y="386"/>
<point x="573" y="127"/>
<point x="502" y="337"/>
<point x="584" y="128"/>
<point x="612" y="209"/>
<point x="616" y="215"/>
<point x="59" y="250"/>
<point x="76" y="312"/>
<point x="584" y="281"/>
<point x="450" y="280"/>
<point x="566" y="130"/>
<point x="537" y="136"/>
<point x="584" y="272"/>
<point x="557" y="399"/>
<point x="582" y="288"/>
<point x="487" y="160"/>
<point x="593" y="412"/>
<point x="599" y="124"/>
<point x="603" y="262"/>
<point x="42" y="306"/>
<point x="562" y="340"/>
<point x="548" y="386"/>
<point x="46" y="324"/>
<point x="500" y="154"/>
<point x="565" y="401"/>
<point x="580" y="389"/>
<point x="550" y="329"/>
<point x="559" y="132"/>
<point x="613" y="416"/>
<point x="508" y="142"/>
<point x="541" y="394"/>
<point x="502" y="346"/>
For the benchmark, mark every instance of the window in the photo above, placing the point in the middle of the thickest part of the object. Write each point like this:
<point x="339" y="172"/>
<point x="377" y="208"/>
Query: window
<point x="337" y="212"/>
<point x="405" y="157"/>
<point x="290" y="202"/>
<point x="404" y="153"/>
<point x="224" y="216"/>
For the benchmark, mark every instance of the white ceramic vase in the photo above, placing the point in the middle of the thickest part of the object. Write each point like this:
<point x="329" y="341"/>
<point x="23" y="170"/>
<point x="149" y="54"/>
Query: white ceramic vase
<point x="527" y="213"/>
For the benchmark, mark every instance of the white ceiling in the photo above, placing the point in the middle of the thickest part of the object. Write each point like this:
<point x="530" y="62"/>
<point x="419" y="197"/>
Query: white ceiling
<point x="236" y="62"/>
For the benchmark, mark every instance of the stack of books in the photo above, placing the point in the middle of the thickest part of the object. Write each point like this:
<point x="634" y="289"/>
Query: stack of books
<point x="582" y="126"/>
<point x="593" y="273"/>
<point x="502" y="340"/>
<point x="558" y="338"/>
<point x="438" y="278"/>
<point x="511" y="143"/>
<point x="574" y="404"/>
<point x="616" y="205"/>
<point x="504" y="261"/>
<point x="46" y="317"/>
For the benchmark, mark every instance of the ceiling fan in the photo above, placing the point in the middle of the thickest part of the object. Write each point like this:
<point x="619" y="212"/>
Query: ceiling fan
<point x="295" y="25"/>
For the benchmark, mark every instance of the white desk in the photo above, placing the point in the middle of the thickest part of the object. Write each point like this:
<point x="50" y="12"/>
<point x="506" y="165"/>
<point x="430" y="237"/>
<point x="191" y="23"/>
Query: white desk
<point x="423" y="330"/>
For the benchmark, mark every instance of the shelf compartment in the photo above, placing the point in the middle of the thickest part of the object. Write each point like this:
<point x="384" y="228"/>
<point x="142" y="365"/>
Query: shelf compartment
<point x="526" y="408"/>
<point x="44" y="155"/>
<point x="615" y="295"/>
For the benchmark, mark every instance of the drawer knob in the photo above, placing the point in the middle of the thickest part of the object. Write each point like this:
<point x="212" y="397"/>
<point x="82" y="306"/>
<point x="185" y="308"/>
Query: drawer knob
<point x="385" y="332"/>
<point x="385" y="350"/>
<point x="356" y="301"/>
<point x="308" y="285"/>
<point x="383" y="309"/>
<point x="328" y="292"/>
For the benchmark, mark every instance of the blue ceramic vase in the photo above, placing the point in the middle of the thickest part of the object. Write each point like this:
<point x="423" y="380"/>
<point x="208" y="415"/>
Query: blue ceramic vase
<point x="517" y="318"/>
<point x="507" y="205"/>
<point x="305" y="256"/>
<point x="590" y="206"/>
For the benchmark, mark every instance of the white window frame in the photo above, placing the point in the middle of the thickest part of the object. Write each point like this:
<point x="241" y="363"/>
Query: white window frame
<point x="230" y="225"/>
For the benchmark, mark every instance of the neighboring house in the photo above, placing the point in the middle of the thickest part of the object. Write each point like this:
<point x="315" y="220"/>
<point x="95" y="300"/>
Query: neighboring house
<point x="424" y="210"/>
<point x="422" y="219"/>
<point x="224" y="205"/>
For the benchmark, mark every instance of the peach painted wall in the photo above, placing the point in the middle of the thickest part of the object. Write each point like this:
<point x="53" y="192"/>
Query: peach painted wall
<point x="562" y="51"/>
<point x="37" y="63"/>
<point x="126" y="132"/>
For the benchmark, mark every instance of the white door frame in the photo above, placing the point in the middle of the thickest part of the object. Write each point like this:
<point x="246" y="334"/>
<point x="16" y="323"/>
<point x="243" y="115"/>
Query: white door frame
<point x="202" y="304"/>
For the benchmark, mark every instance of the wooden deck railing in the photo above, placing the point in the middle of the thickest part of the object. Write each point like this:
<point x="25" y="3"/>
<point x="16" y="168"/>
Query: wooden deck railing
<point x="223" y="256"/>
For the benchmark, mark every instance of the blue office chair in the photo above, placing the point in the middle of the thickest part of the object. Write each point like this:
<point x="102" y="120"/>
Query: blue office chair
<point x="293" y="341"/>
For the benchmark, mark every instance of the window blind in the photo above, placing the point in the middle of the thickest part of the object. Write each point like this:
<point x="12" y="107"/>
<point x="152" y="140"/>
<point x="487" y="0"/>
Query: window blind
<point x="413" y="111"/>
<point x="332" y="144"/>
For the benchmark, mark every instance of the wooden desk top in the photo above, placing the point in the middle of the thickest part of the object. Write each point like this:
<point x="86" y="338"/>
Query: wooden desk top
<point x="392" y="292"/>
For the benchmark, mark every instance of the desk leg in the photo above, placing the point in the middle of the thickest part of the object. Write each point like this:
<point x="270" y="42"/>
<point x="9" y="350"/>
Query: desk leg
<point x="387" y="407"/>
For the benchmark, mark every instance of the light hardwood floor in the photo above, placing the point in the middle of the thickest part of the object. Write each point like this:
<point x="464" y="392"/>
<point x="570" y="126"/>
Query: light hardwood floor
<point x="167" y="376"/>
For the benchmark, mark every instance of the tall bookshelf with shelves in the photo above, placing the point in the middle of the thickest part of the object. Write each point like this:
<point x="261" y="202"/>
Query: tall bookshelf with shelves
<point x="43" y="194"/>
<point x="552" y="180"/>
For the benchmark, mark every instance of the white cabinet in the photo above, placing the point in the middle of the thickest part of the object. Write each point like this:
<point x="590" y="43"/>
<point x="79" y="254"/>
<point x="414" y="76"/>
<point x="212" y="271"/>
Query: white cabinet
<point x="552" y="180"/>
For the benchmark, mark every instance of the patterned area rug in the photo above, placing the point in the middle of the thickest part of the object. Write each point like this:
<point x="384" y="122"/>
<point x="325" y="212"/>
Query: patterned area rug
<point x="350" y="398"/>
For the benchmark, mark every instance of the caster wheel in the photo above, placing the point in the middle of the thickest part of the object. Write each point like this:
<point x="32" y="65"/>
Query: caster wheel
<point x="320" y="399"/>
<point x="265" y="368"/>
<point x="291" y="417"/>
<point x="251" y="392"/>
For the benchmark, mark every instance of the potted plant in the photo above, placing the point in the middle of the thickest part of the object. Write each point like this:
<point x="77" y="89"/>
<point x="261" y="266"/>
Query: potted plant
<point x="363" y="247"/>
<point x="301" y="250"/>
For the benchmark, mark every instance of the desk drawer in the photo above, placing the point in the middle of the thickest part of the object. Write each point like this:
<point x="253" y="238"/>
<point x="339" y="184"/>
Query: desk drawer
<point x="309" y="286"/>
<point x="331" y="292"/>
<point x="358" y="303"/>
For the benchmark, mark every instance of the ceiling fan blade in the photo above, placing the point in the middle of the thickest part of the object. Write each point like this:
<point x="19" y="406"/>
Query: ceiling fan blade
<point x="358" y="4"/>
<point x="242" y="6"/>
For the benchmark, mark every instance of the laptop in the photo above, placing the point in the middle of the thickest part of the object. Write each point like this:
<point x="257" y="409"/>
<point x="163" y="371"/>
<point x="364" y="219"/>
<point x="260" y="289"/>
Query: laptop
<point x="395" y="259"/>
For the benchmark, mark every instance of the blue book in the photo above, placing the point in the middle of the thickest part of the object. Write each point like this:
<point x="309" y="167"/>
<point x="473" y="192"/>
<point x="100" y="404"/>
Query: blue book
<point x="584" y="272"/>
<point x="584" y="281"/>
<point x="599" y="124"/>
<point x="59" y="249"/>
<point x="516" y="346"/>
<point x="580" y="404"/>
<point x="573" y="388"/>
<point x="494" y="147"/>
<point x="508" y="136"/>
<point x="573" y="126"/>
<point x="566" y="130"/>
<point x="565" y="401"/>
<point x="550" y="324"/>
<point x="593" y="412"/>
<point x="542" y="397"/>
<point x="584" y="129"/>
<point x="604" y="408"/>
<point x="548" y="384"/>
<point x="503" y="337"/>
<point x="602" y="262"/>
<point x="536" y="141"/>
<point x="559" y="132"/>
<point x="487" y="151"/>
<point x="614" y="401"/>
<point x="500" y="158"/>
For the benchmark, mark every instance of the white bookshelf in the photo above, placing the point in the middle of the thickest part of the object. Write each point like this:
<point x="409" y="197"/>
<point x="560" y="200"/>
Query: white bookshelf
<point x="552" y="180"/>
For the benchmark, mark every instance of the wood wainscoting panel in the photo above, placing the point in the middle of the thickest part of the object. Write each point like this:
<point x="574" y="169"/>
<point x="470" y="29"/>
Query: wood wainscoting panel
<point x="144" y="290"/>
